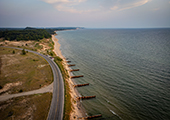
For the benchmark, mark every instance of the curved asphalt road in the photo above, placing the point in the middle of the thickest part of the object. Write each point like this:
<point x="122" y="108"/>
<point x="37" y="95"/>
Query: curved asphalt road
<point x="57" y="104"/>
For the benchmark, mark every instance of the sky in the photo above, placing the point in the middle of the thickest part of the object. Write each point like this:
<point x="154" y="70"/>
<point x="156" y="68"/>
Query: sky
<point x="85" y="13"/>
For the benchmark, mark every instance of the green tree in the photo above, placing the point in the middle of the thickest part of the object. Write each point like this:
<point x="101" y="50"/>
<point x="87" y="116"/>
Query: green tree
<point x="13" y="51"/>
<point x="23" y="52"/>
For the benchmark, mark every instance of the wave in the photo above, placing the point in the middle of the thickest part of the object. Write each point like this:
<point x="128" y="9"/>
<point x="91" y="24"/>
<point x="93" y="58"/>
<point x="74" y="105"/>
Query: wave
<point x="115" y="113"/>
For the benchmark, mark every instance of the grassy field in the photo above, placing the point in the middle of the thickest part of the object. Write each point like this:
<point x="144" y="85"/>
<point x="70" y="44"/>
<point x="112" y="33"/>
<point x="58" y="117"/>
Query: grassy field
<point x="33" y="107"/>
<point x="32" y="65"/>
<point x="30" y="70"/>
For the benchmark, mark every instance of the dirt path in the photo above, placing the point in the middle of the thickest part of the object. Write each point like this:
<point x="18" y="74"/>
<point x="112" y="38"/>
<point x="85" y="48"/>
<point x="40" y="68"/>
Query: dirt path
<point x="41" y="90"/>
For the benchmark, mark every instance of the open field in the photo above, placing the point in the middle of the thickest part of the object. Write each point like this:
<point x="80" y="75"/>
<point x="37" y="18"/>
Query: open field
<point x="20" y="73"/>
<point x="34" y="107"/>
<point x="23" y="72"/>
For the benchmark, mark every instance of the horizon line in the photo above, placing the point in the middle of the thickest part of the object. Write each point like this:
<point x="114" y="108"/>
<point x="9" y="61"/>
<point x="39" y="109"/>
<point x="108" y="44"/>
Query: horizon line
<point x="94" y="27"/>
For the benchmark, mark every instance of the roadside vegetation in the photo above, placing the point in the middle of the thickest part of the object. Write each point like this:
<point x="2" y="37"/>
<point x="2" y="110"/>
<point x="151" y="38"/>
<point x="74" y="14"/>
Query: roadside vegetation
<point x="67" y="99"/>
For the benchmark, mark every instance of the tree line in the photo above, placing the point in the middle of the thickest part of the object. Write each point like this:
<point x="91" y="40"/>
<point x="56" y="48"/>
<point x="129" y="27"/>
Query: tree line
<point x="30" y="33"/>
<point x="26" y="34"/>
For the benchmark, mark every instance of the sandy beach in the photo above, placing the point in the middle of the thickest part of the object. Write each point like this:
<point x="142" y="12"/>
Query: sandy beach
<point x="57" y="47"/>
<point x="77" y="111"/>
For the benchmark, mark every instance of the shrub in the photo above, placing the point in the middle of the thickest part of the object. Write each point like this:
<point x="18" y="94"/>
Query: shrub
<point x="58" y="58"/>
<point x="20" y="90"/>
<point x="10" y="113"/>
<point x="35" y="60"/>
<point x="23" y="52"/>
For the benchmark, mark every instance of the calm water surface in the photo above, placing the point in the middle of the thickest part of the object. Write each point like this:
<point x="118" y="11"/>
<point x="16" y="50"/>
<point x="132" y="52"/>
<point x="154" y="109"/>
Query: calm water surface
<point x="128" y="70"/>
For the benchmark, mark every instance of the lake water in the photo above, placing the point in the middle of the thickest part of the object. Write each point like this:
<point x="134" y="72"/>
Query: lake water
<point x="128" y="71"/>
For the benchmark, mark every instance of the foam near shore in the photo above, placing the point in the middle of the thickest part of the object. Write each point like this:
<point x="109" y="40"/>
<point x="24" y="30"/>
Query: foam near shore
<point x="77" y="110"/>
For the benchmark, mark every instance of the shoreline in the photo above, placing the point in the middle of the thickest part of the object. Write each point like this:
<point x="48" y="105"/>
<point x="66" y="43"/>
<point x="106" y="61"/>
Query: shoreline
<point x="77" y="109"/>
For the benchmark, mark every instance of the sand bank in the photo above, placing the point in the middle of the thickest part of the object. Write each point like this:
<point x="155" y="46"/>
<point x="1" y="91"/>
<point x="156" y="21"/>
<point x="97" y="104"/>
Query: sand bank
<point x="77" y="110"/>
<point x="57" y="47"/>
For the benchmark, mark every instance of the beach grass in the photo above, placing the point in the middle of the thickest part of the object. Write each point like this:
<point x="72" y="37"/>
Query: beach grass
<point x="38" y="46"/>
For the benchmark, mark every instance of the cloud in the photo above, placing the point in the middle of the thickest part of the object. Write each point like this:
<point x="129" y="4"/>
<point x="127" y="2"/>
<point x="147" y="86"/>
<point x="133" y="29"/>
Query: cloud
<point x="67" y="5"/>
<point x="63" y="1"/>
<point x="73" y="10"/>
<point x="128" y="5"/>
<point x="54" y="1"/>
<point x="135" y="4"/>
<point x="82" y="6"/>
<point x="114" y="8"/>
<point x="156" y="9"/>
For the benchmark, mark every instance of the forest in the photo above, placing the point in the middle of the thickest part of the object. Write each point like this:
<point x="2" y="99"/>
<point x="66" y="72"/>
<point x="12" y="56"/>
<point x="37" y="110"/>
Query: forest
<point x="25" y="34"/>
<point x="30" y="33"/>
